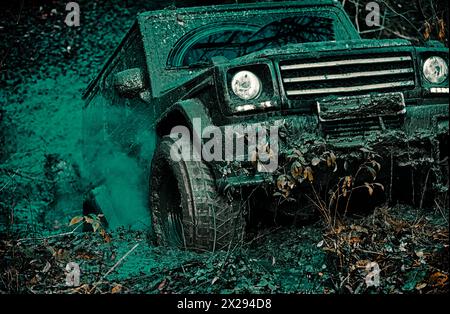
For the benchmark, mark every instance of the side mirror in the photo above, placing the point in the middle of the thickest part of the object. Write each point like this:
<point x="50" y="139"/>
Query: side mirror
<point x="129" y="83"/>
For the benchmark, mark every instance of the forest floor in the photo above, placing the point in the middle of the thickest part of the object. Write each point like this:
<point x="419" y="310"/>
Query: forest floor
<point x="393" y="250"/>
<point x="44" y="68"/>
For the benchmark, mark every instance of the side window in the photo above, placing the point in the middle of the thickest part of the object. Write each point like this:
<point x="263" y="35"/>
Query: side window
<point x="292" y="30"/>
<point x="227" y="43"/>
<point x="201" y="45"/>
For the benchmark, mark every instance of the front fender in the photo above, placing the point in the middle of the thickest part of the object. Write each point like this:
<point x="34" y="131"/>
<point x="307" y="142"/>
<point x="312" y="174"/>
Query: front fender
<point x="182" y="113"/>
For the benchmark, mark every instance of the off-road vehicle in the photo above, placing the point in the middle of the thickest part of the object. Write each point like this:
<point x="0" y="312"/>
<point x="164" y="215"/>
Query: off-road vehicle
<point x="336" y="101"/>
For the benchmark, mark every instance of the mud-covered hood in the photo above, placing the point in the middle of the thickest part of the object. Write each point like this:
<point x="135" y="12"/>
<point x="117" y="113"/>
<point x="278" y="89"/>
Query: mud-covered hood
<point x="318" y="47"/>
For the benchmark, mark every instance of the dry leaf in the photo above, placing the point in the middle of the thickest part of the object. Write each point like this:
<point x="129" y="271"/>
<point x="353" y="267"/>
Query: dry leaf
<point x="438" y="279"/>
<point x="373" y="274"/>
<point x="162" y="284"/>
<point x="369" y="188"/>
<point x="333" y="158"/>
<point x="308" y="174"/>
<point x="348" y="181"/>
<point x="376" y="164"/>
<point x="296" y="170"/>
<point x="362" y="263"/>
<point x="441" y="34"/>
<point x="105" y="235"/>
<point x="95" y="226"/>
<point x="426" y="31"/>
<point x="420" y="286"/>
<point x="281" y="182"/>
<point x="315" y="161"/>
<point x="75" y="220"/>
<point x="116" y="289"/>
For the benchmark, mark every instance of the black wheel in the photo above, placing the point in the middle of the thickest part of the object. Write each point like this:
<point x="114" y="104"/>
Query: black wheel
<point x="187" y="210"/>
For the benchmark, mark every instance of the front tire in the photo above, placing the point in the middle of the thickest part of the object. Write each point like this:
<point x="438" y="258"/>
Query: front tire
<point x="187" y="210"/>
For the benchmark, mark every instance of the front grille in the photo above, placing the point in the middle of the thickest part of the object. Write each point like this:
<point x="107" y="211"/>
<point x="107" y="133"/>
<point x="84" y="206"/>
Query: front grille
<point x="361" y="127"/>
<point x="347" y="75"/>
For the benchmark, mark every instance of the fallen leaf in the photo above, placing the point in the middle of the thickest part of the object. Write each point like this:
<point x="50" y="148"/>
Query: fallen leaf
<point x="362" y="263"/>
<point x="116" y="289"/>
<point x="420" y="286"/>
<point x="75" y="220"/>
<point x="354" y="240"/>
<point x="438" y="279"/>
<point x="162" y="284"/>
<point x="373" y="274"/>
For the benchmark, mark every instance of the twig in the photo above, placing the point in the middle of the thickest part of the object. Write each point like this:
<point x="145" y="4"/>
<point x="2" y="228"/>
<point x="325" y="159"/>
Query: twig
<point x="371" y="252"/>
<point x="23" y="175"/>
<point x="52" y="236"/>
<point x="424" y="189"/>
<point x="406" y="20"/>
<point x="372" y="30"/>
<point x="391" y="178"/>
<point x="440" y="210"/>
<point x="114" y="267"/>
<point x="400" y="35"/>
<point x="357" y="16"/>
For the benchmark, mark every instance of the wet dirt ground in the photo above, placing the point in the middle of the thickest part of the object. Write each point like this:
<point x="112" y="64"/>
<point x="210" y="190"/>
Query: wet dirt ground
<point x="45" y="66"/>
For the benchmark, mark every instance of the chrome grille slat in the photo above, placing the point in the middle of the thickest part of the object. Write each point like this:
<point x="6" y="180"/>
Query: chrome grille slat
<point x="349" y="88"/>
<point x="344" y="62"/>
<point x="347" y="75"/>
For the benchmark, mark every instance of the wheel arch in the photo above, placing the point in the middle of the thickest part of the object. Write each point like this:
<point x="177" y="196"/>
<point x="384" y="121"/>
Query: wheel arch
<point x="182" y="113"/>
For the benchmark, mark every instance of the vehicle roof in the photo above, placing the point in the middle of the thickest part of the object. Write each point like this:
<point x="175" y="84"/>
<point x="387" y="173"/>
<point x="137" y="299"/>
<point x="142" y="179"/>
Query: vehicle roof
<point x="241" y="6"/>
<point x="207" y="8"/>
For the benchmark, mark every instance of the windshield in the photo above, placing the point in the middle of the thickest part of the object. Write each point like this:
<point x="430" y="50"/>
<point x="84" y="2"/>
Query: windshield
<point x="232" y="41"/>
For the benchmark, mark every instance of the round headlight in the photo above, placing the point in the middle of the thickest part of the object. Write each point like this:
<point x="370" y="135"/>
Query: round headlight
<point x="246" y="85"/>
<point x="435" y="70"/>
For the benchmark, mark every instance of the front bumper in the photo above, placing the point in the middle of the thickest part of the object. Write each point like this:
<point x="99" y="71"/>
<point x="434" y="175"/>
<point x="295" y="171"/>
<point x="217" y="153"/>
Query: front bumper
<point x="418" y="141"/>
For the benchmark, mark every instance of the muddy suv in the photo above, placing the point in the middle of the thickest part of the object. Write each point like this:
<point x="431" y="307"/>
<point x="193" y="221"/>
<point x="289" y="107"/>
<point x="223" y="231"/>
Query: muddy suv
<point x="296" y="72"/>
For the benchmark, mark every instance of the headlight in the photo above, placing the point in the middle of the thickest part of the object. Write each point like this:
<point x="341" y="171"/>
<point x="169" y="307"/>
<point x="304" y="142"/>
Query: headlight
<point x="246" y="85"/>
<point x="435" y="70"/>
